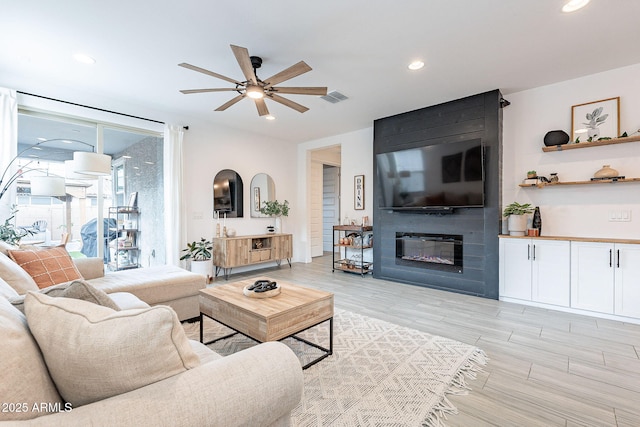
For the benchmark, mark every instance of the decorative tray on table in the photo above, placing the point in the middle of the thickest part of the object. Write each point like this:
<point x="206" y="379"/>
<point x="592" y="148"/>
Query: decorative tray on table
<point x="262" y="288"/>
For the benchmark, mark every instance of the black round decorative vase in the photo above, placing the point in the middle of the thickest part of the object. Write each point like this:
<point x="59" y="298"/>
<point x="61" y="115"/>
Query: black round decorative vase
<point x="556" y="137"/>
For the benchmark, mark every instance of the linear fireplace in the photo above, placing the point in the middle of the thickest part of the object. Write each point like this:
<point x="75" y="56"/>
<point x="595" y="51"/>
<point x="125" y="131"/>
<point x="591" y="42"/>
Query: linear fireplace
<point x="434" y="251"/>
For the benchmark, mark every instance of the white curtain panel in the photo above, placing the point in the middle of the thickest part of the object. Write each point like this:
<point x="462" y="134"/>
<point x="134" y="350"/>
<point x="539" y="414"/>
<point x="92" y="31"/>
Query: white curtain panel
<point x="8" y="143"/>
<point x="174" y="207"/>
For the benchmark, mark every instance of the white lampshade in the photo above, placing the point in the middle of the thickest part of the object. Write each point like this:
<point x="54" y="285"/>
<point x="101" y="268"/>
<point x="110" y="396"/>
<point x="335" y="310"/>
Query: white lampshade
<point x="88" y="163"/>
<point x="47" y="186"/>
<point x="70" y="172"/>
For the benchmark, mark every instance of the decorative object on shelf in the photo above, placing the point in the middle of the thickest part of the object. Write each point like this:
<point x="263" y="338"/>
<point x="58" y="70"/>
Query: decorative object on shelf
<point x="556" y="137"/>
<point x="358" y="192"/>
<point x="532" y="174"/>
<point x="231" y="232"/>
<point x="133" y="200"/>
<point x="276" y="210"/>
<point x="593" y="120"/>
<point x="271" y="229"/>
<point x="516" y="214"/>
<point x="533" y="232"/>
<point x="537" y="220"/>
<point x="606" y="172"/>
<point x="554" y="177"/>
<point x="365" y="221"/>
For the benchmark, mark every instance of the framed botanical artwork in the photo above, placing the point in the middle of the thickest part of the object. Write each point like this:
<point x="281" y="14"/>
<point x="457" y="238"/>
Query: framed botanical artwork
<point x="595" y="120"/>
<point x="358" y="192"/>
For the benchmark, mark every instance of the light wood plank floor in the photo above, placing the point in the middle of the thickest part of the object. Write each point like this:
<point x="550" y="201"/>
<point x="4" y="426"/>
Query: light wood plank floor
<point x="546" y="368"/>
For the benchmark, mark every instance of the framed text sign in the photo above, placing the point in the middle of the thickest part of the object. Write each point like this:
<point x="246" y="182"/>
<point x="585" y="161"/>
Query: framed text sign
<point x="358" y="192"/>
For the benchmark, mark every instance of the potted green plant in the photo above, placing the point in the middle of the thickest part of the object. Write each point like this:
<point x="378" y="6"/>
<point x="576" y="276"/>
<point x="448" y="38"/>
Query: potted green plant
<point x="516" y="214"/>
<point x="199" y="254"/>
<point x="9" y="232"/>
<point x="275" y="209"/>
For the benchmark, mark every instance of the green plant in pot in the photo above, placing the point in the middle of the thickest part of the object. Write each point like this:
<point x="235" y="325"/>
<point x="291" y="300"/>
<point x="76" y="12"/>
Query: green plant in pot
<point x="516" y="214"/>
<point x="9" y="232"/>
<point x="275" y="209"/>
<point x="199" y="254"/>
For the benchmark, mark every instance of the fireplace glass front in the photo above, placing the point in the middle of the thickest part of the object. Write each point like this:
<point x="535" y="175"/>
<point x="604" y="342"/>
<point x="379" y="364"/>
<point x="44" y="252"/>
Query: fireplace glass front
<point x="435" y="251"/>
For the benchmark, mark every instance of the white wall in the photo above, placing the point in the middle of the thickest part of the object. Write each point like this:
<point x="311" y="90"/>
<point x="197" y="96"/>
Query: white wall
<point x="575" y="211"/>
<point x="209" y="149"/>
<point x="356" y="159"/>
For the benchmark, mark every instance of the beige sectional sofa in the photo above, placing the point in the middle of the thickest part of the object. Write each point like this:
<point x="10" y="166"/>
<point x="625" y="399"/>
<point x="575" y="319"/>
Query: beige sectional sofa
<point x="162" y="285"/>
<point x="255" y="387"/>
<point x="76" y="361"/>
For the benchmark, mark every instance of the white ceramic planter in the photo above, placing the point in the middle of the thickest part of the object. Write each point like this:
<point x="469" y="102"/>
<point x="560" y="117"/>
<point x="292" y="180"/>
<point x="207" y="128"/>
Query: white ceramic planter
<point x="204" y="268"/>
<point x="517" y="225"/>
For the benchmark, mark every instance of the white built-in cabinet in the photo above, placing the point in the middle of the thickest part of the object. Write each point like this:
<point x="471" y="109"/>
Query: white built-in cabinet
<point x="601" y="277"/>
<point x="605" y="277"/>
<point x="535" y="270"/>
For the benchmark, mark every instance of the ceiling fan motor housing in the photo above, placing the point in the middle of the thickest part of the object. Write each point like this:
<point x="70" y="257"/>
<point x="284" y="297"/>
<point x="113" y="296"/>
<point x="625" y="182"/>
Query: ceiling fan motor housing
<point x="256" y="62"/>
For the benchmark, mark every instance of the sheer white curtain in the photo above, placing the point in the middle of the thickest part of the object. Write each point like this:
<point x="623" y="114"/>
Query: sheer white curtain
<point x="173" y="200"/>
<point x="8" y="143"/>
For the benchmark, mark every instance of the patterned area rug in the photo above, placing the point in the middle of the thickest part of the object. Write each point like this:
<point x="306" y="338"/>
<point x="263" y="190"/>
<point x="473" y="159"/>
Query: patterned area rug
<point x="379" y="373"/>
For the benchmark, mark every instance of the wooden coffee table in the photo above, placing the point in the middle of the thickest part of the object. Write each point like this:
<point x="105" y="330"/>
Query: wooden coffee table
<point x="294" y="310"/>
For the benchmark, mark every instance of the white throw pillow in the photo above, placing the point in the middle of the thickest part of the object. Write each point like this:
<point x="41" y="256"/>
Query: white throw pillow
<point x="25" y="381"/>
<point x="94" y="352"/>
<point x="15" y="276"/>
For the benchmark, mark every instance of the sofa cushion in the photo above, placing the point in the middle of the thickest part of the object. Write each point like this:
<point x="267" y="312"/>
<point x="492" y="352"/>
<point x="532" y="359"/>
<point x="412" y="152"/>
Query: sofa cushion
<point x="15" y="276"/>
<point x="6" y="291"/>
<point x="25" y="378"/>
<point x="47" y="267"/>
<point x="78" y="289"/>
<point x="94" y="352"/>
<point x="6" y="247"/>
<point x="153" y="285"/>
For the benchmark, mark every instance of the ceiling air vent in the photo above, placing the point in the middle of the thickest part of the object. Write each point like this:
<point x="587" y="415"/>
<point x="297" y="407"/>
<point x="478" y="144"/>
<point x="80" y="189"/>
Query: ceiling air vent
<point x="334" y="97"/>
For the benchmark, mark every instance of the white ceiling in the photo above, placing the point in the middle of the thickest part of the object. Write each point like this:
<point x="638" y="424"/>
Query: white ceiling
<point x="360" y="48"/>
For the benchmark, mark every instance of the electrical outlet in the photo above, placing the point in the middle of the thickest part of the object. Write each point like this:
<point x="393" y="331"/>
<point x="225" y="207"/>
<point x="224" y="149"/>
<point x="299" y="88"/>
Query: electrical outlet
<point x="620" y="216"/>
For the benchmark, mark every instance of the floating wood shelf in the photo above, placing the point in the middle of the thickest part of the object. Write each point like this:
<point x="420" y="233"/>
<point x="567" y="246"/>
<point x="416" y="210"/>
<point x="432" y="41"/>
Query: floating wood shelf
<point x="604" y="181"/>
<point x="612" y="141"/>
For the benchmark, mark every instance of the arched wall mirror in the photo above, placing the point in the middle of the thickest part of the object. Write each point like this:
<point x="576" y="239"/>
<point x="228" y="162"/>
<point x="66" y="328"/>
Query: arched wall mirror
<point x="263" y="189"/>
<point x="227" y="194"/>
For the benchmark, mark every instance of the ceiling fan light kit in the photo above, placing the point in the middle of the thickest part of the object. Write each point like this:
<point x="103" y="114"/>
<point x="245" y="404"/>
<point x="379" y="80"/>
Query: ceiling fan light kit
<point x="258" y="89"/>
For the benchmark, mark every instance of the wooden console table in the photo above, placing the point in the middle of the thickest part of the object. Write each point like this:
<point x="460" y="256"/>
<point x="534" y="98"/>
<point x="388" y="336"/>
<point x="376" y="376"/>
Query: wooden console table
<point x="238" y="251"/>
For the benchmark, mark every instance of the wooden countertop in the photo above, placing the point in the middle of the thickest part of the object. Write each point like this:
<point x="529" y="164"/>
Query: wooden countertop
<point x="575" y="239"/>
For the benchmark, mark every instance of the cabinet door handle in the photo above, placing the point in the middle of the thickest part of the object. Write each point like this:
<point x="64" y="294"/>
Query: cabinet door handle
<point x="529" y="251"/>
<point x="618" y="262"/>
<point x="610" y="257"/>
<point x="534" y="252"/>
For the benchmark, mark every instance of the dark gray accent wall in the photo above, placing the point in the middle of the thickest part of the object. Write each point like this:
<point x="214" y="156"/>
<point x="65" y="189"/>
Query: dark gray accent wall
<point x="477" y="116"/>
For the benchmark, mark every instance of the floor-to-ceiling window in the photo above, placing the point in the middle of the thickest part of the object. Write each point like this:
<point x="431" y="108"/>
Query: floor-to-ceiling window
<point x="46" y="141"/>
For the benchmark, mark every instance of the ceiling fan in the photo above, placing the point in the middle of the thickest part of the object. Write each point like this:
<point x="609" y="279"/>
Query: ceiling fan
<point x="258" y="89"/>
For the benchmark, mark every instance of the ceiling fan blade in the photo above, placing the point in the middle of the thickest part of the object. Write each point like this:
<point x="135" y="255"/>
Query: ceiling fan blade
<point x="221" y="89"/>
<point x="262" y="107"/>
<point x="230" y="103"/>
<point x="288" y="103"/>
<point x="301" y="90"/>
<point x="291" y="72"/>
<point x="209" y="73"/>
<point x="242" y="56"/>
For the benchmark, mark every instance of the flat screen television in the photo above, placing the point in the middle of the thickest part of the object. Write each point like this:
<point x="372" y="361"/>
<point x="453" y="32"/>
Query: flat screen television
<point x="432" y="177"/>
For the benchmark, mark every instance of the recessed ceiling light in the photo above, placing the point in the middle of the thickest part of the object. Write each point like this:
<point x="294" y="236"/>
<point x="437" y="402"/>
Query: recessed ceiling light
<point x="149" y="163"/>
<point x="269" y="117"/>
<point x="85" y="59"/>
<point x="126" y="157"/>
<point x="574" y="5"/>
<point x="41" y="139"/>
<point x="416" y="65"/>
